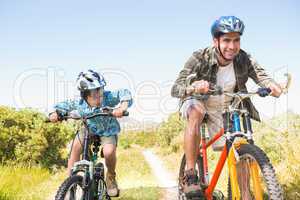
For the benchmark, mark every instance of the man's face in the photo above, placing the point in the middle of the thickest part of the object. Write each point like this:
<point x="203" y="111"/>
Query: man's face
<point x="95" y="97"/>
<point x="229" y="44"/>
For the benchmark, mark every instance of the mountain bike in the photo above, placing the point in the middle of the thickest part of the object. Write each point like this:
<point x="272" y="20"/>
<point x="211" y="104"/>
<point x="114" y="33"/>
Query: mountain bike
<point x="259" y="180"/>
<point x="87" y="177"/>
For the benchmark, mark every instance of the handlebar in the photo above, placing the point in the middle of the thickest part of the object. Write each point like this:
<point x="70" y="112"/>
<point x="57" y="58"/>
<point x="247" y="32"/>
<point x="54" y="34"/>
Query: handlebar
<point x="106" y="112"/>
<point x="238" y="96"/>
<point x="263" y="92"/>
<point x="217" y="90"/>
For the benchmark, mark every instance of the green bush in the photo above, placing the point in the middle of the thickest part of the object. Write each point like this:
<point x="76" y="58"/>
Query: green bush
<point x="169" y="130"/>
<point x="279" y="138"/>
<point x="142" y="138"/>
<point x="26" y="138"/>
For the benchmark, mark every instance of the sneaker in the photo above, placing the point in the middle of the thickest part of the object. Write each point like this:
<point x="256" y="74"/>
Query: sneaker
<point x="191" y="185"/>
<point x="112" y="185"/>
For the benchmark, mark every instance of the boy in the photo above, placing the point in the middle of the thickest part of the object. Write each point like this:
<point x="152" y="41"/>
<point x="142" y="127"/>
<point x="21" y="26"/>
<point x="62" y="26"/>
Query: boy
<point x="93" y="98"/>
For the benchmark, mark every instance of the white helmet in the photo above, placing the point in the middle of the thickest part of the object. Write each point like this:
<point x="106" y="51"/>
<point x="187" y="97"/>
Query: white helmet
<point x="90" y="80"/>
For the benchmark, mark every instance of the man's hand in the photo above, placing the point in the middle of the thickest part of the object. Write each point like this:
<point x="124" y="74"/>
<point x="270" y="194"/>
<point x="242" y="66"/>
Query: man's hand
<point x="276" y="91"/>
<point x="118" y="112"/>
<point x="201" y="86"/>
<point x="53" y="117"/>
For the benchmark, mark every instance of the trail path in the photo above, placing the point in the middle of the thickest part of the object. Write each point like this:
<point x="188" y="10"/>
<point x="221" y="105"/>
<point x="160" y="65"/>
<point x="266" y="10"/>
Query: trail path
<point x="163" y="176"/>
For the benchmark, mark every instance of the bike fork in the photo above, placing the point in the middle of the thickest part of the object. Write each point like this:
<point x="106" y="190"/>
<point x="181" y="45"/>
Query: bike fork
<point x="235" y="191"/>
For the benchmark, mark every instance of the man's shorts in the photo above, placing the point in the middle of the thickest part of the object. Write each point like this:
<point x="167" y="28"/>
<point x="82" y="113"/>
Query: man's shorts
<point x="113" y="139"/>
<point x="214" y="121"/>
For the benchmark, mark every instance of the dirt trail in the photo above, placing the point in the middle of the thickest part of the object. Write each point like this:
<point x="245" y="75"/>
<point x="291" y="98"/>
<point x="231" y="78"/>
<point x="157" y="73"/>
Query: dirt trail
<point x="163" y="176"/>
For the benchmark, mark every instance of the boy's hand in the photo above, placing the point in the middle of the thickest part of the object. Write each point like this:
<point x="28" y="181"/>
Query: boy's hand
<point x="53" y="117"/>
<point x="118" y="112"/>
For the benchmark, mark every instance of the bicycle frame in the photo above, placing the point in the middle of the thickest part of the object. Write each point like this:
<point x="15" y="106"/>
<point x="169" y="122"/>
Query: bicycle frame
<point x="87" y="163"/>
<point x="85" y="173"/>
<point x="229" y="149"/>
<point x="229" y="153"/>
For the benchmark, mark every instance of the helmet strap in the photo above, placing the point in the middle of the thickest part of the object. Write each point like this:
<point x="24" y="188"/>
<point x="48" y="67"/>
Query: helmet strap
<point x="220" y="52"/>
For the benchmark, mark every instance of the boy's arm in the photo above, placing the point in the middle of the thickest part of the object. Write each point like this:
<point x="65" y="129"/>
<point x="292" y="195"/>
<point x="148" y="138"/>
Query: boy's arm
<point x="122" y="97"/>
<point x="63" y="108"/>
<point x="117" y="97"/>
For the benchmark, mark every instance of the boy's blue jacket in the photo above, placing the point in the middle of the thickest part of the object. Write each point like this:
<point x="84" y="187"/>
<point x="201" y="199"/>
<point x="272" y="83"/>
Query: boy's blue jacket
<point x="100" y="125"/>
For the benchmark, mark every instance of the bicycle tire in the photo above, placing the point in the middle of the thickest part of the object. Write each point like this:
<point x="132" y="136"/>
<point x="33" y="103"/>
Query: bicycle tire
<point x="102" y="187"/>
<point x="272" y="189"/>
<point x="199" y="166"/>
<point x="67" y="185"/>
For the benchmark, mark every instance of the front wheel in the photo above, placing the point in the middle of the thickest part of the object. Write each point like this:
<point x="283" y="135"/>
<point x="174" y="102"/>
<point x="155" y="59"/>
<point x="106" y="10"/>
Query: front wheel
<point x="256" y="175"/>
<point x="71" y="189"/>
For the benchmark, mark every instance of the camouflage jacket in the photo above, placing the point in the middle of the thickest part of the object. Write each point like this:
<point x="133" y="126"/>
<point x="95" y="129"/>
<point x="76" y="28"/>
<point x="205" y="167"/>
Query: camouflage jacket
<point x="204" y="63"/>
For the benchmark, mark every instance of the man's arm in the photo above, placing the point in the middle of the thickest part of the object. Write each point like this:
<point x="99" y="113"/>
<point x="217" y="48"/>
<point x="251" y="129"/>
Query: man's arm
<point x="179" y="88"/>
<point x="260" y="77"/>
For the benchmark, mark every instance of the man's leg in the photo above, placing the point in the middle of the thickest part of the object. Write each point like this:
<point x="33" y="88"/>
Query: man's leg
<point x="195" y="114"/>
<point x="193" y="111"/>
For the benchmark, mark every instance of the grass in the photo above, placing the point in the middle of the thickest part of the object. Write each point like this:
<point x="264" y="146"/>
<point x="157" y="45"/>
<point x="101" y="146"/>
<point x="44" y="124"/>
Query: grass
<point x="134" y="178"/>
<point x="145" y="193"/>
<point x="134" y="175"/>
<point x="133" y="170"/>
<point x="20" y="183"/>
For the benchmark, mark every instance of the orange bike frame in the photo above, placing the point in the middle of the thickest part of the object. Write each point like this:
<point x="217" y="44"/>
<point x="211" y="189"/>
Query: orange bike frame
<point x="212" y="184"/>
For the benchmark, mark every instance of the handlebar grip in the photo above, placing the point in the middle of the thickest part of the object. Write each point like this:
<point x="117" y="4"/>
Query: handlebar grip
<point x="125" y="113"/>
<point x="263" y="92"/>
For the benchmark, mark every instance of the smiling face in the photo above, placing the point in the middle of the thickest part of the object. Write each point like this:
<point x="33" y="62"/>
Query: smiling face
<point x="228" y="45"/>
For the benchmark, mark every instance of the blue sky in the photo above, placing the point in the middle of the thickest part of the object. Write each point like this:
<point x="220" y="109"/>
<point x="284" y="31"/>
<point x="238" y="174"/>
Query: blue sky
<point x="149" y="41"/>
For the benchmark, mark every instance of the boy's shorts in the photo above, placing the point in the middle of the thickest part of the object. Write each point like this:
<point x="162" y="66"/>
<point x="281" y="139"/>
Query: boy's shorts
<point x="214" y="122"/>
<point x="113" y="139"/>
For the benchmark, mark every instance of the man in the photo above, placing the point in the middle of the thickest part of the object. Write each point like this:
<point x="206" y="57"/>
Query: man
<point x="226" y="65"/>
<point x="94" y="97"/>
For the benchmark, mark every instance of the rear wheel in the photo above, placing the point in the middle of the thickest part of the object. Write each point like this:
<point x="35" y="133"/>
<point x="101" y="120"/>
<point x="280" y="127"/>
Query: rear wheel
<point x="267" y="187"/>
<point x="183" y="167"/>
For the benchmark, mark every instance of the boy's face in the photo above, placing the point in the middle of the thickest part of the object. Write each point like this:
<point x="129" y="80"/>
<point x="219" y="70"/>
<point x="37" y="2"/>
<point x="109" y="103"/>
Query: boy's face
<point x="94" y="99"/>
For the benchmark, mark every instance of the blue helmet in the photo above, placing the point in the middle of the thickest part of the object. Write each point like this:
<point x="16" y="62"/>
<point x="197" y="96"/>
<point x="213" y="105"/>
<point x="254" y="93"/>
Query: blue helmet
<point x="90" y="80"/>
<point x="227" y="24"/>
